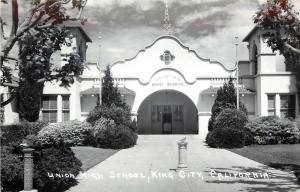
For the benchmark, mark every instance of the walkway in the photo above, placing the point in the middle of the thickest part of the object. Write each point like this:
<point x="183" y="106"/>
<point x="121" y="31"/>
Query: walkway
<point x="150" y="167"/>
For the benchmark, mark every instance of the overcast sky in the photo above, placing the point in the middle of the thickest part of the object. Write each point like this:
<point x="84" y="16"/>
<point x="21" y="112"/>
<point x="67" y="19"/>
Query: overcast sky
<point x="207" y="26"/>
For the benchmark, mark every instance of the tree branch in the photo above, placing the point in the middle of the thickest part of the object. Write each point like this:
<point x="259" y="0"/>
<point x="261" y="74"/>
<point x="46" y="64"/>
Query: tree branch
<point x="8" y="100"/>
<point x="291" y="48"/>
<point x="9" y="85"/>
<point x="15" y="18"/>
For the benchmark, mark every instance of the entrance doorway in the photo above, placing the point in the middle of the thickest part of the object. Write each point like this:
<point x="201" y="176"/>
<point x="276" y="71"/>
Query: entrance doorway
<point x="167" y="112"/>
<point x="167" y="123"/>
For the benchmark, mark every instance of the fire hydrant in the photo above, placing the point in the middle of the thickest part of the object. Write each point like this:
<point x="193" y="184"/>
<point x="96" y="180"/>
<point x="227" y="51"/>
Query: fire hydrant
<point x="182" y="153"/>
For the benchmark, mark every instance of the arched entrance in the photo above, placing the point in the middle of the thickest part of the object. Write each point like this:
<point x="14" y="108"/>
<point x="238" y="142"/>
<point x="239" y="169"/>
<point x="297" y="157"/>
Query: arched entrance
<point x="167" y="112"/>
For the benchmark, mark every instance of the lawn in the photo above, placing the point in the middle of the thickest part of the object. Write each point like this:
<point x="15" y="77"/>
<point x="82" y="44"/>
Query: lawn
<point x="91" y="156"/>
<point x="285" y="156"/>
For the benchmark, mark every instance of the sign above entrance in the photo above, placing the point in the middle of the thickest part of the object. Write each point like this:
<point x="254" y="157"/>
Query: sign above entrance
<point x="168" y="80"/>
<point x="167" y="57"/>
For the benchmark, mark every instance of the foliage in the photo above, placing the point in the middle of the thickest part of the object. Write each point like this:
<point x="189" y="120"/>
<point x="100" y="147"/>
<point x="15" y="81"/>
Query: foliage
<point x="71" y="133"/>
<point x="230" y="121"/>
<point x="1" y="115"/>
<point x="48" y="160"/>
<point x="12" y="169"/>
<point x="14" y="134"/>
<point x="55" y="161"/>
<point x="226" y="98"/>
<point x="281" y="26"/>
<point x="29" y="100"/>
<point x="232" y="118"/>
<point x="38" y="35"/>
<point x="226" y="138"/>
<point x="110" y="93"/>
<point x="109" y="135"/>
<point x="120" y="115"/>
<point x="273" y="130"/>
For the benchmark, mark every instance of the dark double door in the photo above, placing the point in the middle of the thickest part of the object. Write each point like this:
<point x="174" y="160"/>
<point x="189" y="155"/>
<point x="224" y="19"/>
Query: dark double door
<point x="167" y="123"/>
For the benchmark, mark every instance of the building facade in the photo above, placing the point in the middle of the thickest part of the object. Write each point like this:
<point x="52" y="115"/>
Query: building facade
<point x="170" y="88"/>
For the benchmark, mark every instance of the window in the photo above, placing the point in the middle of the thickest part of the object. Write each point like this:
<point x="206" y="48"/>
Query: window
<point x="287" y="106"/>
<point x="178" y="113"/>
<point x="49" y="108"/>
<point x="271" y="105"/>
<point x="255" y="62"/>
<point x="66" y="108"/>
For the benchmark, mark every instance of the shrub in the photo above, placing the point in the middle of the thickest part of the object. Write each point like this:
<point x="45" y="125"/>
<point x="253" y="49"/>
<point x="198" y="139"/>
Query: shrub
<point x="231" y="121"/>
<point x="110" y="135"/>
<point x="226" y="138"/>
<point x="71" y="133"/>
<point x="60" y="161"/>
<point x="226" y="98"/>
<point x="231" y="118"/>
<point x="273" y="130"/>
<point x="14" y="134"/>
<point x="12" y="170"/>
<point x="118" y="114"/>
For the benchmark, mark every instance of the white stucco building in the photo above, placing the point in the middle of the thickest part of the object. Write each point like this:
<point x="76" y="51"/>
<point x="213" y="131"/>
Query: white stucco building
<point x="171" y="89"/>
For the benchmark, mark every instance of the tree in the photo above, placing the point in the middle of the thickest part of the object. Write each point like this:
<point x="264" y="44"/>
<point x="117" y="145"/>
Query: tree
<point x="281" y="24"/>
<point x="226" y="98"/>
<point x="110" y="93"/>
<point x="38" y="36"/>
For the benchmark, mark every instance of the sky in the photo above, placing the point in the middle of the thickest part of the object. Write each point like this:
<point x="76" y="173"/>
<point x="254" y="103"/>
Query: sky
<point x="126" y="26"/>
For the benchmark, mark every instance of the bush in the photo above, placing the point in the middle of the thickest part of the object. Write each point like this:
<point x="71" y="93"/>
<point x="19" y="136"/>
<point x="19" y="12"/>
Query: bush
<point x="49" y="160"/>
<point x="118" y="114"/>
<point x="231" y="121"/>
<point x="55" y="160"/>
<point x="12" y="170"/>
<point x="226" y="138"/>
<point x="71" y="133"/>
<point x="110" y="135"/>
<point x="273" y="130"/>
<point x="231" y="118"/>
<point x="14" y="134"/>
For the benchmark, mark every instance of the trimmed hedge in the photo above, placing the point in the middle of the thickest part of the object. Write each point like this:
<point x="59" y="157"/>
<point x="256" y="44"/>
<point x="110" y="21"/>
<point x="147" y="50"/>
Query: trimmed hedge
<point x="110" y="135"/>
<point x="14" y="134"/>
<point x="274" y="130"/>
<point x="60" y="161"/>
<point x="226" y="138"/>
<point x="48" y="160"/>
<point x="71" y="133"/>
<point x="229" y="130"/>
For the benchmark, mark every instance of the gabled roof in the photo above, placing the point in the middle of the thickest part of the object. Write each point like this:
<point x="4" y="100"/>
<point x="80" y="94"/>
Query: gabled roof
<point x="77" y="25"/>
<point x="249" y="35"/>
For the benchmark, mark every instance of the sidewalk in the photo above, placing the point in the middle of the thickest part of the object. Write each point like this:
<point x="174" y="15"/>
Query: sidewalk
<point x="150" y="167"/>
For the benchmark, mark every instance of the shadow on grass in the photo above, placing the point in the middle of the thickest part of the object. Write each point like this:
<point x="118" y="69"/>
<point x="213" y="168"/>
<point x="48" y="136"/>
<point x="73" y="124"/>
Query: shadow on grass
<point x="288" y="167"/>
<point x="277" y="181"/>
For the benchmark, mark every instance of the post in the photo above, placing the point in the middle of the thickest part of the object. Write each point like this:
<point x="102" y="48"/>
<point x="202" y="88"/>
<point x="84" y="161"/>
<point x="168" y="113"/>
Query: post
<point x="28" y="170"/>
<point x="237" y="73"/>
<point x="100" y="75"/>
<point x="182" y="154"/>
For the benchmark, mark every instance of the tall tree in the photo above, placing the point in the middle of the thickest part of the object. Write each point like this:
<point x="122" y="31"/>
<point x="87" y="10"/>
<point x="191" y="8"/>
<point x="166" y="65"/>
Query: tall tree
<point x="281" y="24"/>
<point x="38" y="36"/>
<point x="110" y="93"/>
<point x="226" y="98"/>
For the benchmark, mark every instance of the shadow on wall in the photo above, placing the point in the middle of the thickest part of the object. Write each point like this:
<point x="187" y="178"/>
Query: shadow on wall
<point x="274" y="180"/>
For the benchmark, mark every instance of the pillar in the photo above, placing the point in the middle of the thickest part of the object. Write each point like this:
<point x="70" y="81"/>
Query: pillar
<point x="28" y="170"/>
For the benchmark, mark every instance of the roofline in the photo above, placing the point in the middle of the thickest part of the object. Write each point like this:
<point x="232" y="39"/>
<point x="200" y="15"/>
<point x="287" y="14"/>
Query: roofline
<point x="88" y="39"/>
<point x="183" y="46"/>
<point x="253" y="30"/>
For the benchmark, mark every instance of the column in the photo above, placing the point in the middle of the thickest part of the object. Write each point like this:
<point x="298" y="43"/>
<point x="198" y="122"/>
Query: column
<point x="28" y="170"/>
<point x="59" y="108"/>
<point x="277" y="105"/>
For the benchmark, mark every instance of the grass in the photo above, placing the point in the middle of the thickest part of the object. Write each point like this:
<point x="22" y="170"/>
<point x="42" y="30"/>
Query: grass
<point x="285" y="156"/>
<point x="91" y="156"/>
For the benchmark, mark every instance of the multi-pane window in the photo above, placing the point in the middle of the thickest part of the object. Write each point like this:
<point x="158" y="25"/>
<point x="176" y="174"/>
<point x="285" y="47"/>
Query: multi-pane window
<point x="178" y="113"/>
<point x="271" y="105"/>
<point x="158" y="110"/>
<point x="287" y="106"/>
<point x="65" y="108"/>
<point x="49" y="108"/>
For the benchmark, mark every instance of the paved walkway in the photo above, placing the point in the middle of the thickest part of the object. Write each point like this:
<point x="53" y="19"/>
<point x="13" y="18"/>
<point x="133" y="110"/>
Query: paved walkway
<point x="150" y="167"/>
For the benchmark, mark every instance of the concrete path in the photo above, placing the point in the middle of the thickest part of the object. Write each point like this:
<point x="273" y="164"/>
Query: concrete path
<point x="150" y="166"/>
